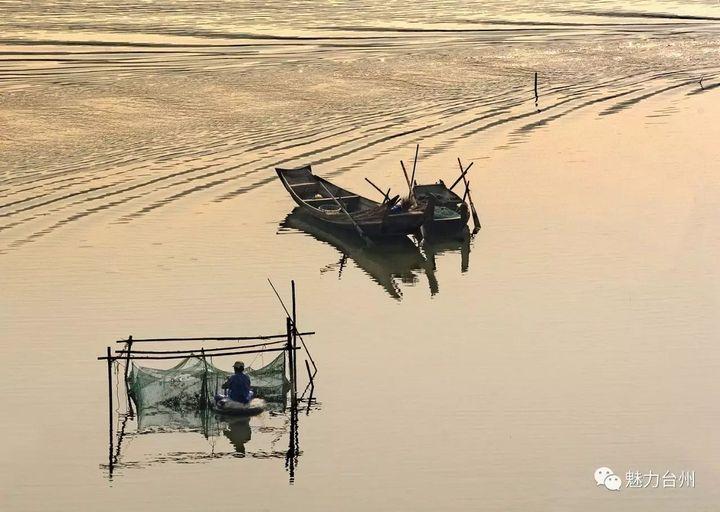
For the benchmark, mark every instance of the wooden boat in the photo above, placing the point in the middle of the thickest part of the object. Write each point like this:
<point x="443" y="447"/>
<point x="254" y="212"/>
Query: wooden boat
<point x="451" y="213"/>
<point x="224" y="405"/>
<point x="337" y="206"/>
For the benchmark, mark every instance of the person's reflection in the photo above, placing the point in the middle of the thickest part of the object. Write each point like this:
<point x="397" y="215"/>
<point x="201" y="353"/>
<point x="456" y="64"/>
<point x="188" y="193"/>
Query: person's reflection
<point x="238" y="432"/>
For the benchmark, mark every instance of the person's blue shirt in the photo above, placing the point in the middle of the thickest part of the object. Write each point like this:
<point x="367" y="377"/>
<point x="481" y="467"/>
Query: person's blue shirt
<point x="239" y="387"/>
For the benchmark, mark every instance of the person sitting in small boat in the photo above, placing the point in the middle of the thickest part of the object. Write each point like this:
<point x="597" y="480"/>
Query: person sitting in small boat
<point x="238" y="384"/>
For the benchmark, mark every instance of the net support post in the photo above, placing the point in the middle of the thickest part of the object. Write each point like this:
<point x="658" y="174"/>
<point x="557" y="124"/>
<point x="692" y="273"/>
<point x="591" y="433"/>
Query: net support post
<point x="204" y="389"/>
<point x="128" y="346"/>
<point x="294" y="335"/>
<point x="291" y="359"/>
<point x="110" y="411"/>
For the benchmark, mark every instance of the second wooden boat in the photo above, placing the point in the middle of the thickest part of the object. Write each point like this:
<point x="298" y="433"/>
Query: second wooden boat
<point x="451" y="213"/>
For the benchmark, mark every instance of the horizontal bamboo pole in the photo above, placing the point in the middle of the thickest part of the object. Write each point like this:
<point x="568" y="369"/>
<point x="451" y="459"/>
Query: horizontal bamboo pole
<point x="207" y="350"/>
<point x="196" y="354"/>
<point x="221" y="338"/>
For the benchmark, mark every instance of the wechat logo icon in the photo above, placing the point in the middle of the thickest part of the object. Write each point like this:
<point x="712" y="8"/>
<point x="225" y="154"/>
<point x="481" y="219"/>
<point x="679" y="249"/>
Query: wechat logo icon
<point x="605" y="476"/>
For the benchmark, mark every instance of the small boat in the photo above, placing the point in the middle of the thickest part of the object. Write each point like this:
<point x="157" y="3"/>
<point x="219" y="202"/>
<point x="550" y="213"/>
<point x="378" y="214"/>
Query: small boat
<point x="342" y="208"/>
<point x="224" y="405"/>
<point x="451" y="213"/>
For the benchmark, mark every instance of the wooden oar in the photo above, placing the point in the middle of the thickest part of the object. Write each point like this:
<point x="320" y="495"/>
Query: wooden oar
<point x="462" y="175"/>
<point x="476" y="219"/>
<point x="357" y="227"/>
<point x="378" y="189"/>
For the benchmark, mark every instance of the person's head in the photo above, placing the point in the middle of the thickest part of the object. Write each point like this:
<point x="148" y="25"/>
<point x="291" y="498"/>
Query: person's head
<point x="239" y="367"/>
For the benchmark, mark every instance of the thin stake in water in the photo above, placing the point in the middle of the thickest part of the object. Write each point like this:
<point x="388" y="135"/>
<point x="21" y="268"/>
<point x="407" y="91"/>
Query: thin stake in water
<point x="300" y="336"/>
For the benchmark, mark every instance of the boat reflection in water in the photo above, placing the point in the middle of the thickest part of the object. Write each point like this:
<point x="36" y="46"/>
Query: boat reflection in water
<point x="281" y="421"/>
<point x="235" y="428"/>
<point x="237" y="431"/>
<point x="386" y="261"/>
<point x="459" y="241"/>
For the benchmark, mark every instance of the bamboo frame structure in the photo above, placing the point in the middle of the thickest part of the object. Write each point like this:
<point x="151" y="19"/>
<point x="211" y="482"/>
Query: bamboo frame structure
<point x="276" y="342"/>
<point x="213" y="338"/>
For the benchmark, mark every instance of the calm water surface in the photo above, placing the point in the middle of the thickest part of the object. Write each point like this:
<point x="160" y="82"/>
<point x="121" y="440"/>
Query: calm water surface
<point x="577" y="329"/>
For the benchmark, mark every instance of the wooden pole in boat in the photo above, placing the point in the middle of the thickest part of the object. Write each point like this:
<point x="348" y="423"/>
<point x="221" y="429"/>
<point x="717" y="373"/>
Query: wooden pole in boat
<point x="110" y="409"/>
<point x="357" y="227"/>
<point x="386" y="194"/>
<point x="412" y="178"/>
<point x="127" y="369"/>
<point x="407" y="179"/>
<point x="476" y="219"/>
<point x="462" y="175"/>
<point x="536" y="89"/>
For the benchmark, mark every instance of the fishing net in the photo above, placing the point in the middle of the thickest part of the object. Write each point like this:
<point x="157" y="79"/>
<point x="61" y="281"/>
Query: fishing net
<point x="190" y="384"/>
<point x="442" y="212"/>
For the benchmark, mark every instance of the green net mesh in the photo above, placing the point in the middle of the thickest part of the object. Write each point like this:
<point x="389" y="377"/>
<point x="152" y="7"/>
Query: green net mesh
<point x="191" y="383"/>
<point x="442" y="212"/>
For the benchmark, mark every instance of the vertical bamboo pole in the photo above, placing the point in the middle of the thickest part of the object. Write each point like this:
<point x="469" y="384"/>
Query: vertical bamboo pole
<point x="204" y="386"/>
<point x="127" y="369"/>
<point x="412" y="178"/>
<point x="110" y="410"/>
<point x="291" y="358"/>
<point x="294" y="308"/>
<point x="294" y="337"/>
<point x="312" y="386"/>
<point x="290" y="455"/>
<point x="287" y="356"/>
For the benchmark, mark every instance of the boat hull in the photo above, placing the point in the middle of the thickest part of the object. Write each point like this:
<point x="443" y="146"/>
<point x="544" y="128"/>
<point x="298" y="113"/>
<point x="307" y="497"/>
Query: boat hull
<point x="229" y="407"/>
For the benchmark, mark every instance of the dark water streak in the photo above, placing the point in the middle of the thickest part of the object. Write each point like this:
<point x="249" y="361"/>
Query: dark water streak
<point x="445" y="75"/>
